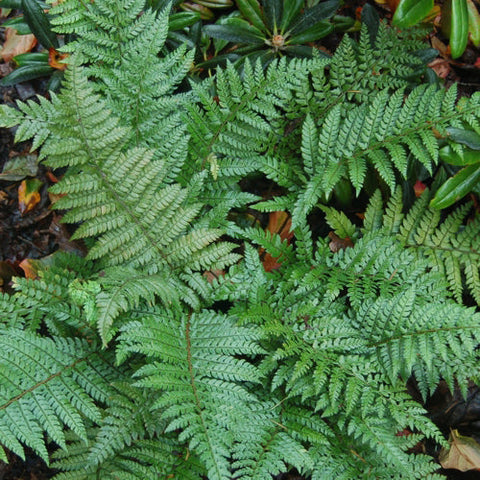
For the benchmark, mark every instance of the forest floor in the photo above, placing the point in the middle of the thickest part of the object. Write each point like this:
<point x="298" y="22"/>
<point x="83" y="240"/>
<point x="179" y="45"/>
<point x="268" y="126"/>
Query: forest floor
<point x="30" y="231"/>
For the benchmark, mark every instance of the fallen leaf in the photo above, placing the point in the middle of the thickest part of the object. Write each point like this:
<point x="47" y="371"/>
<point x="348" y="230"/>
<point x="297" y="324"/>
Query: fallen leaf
<point x="212" y="275"/>
<point x="441" y="67"/>
<point x="31" y="267"/>
<point x="336" y="244"/>
<point x="463" y="454"/>
<point x="55" y="59"/>
<point x="279" y="223"/>
<point x="17" y="168"/>
<point x="28" y="195"/>
<point x="16" y="44"/>
<point x="62" y="237"/>
<point x="419" y="188"/>
<point x="437" y="44"/>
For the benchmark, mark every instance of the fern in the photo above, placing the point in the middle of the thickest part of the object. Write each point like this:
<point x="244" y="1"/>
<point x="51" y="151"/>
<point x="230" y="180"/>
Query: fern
<point x="448" y="244"/>
<point x="326" y="127"/>
<point x="137" y="367"/>
<point x="48" y="384"/>
<point x="127" y="212"/>
<point x="193" y="364"/>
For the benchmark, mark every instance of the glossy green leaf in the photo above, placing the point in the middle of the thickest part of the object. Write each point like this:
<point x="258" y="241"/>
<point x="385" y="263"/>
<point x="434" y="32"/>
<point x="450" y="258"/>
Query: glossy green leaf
<point x="273" y="9"/>
<point x="291" y="10"/>
<point x="371" y="19"/>
<point x="473" y="23"/>
<point x="241" y="32"/>
<point x="25" y="73"/>
<point x="181" y="20"/>
<point x="342" y="23"/>
<point x="320" y="30"/>
<point x="19" y="24"/>
<point x="456" y="187"/>
<point x="31" y="58"/>
<point x="39" y="23"/>
<point x="204" y="12"/>
<point x="411" y="12"/>
<point x="465" y="156"/>
<point x="311" y="16"/>
<point x="458" y="27"/>
<point x="465" y="137"/>
<point x="11" y="4"/>
<point x="251" y="11"/>
<point x="215" y="3"/>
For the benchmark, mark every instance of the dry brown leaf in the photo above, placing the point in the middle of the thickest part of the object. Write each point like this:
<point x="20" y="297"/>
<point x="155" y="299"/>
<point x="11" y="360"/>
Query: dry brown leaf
<point x="16" y="44"/>
<point x="55" y="59"/>
<point x="463" y="455"/>
<point x="338" y="243"/>
<point x="441" y="67"/>
<point x="280" y="223"/>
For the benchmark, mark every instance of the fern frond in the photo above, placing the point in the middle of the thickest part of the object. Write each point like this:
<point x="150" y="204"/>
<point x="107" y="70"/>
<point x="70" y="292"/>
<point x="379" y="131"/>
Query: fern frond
<point x="48" y="384"/>
<point x="448" y="244"/>
<point x="138" y="221"/>
<point x="194" y="369"/>
<point x="143" y="459"/>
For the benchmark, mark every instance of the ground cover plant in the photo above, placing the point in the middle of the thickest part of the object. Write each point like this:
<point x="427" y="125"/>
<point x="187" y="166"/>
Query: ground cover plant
<point x="169" y="351"/>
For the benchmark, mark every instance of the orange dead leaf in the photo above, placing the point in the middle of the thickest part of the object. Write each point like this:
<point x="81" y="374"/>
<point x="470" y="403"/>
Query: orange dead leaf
<point x="212" y="275"/>
<point x="28" y="195"/>
<point x="51" y="176"/>
<point x="55" y="59"/>
<point x="31" y="267"/>
<point x="16" y="44"/>
<point x="280" y="222"/>
<point x="336" y="244"/>
<point x="419" y="188"/>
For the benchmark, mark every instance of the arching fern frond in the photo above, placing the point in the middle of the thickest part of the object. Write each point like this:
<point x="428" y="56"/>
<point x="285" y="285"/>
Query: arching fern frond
<point x="119" y="193"/>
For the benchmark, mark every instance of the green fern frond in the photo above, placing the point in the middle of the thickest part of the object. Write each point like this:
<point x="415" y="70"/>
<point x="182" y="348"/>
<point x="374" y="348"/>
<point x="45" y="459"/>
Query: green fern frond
<point x="448" y="244"/>
<point x="135" y="218"/>
<point x="143" y="459"/>
<point x="48" y="384"/>
<point x="194" y="369"/>
<point x="239" y="129"/>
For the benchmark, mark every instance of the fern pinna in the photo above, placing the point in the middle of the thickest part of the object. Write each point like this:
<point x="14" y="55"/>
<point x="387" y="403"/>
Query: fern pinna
<point x="130" y="364"/>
